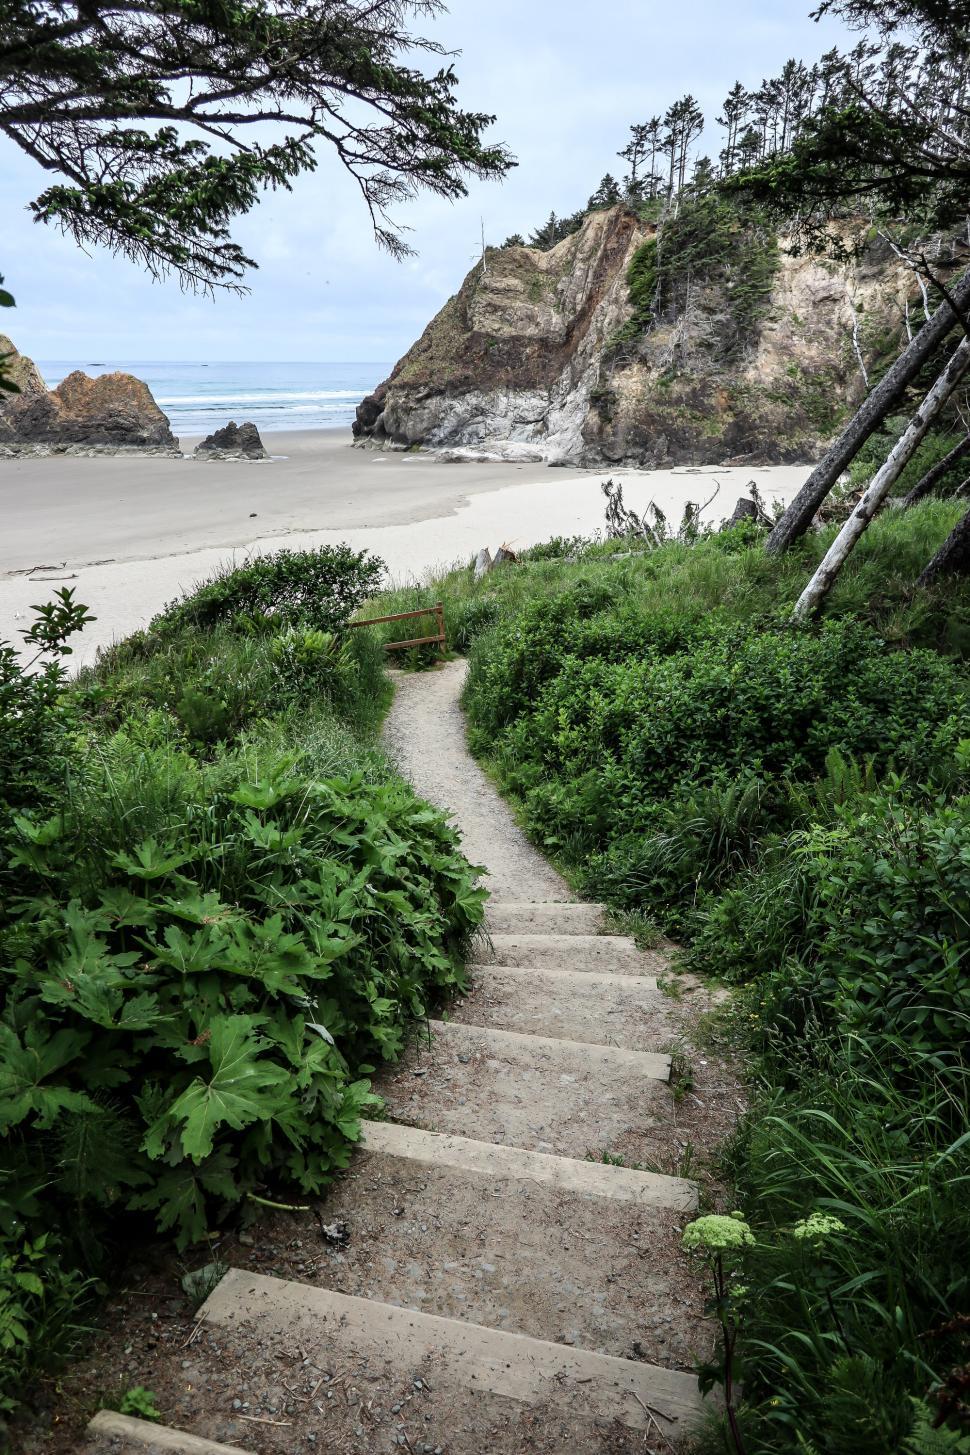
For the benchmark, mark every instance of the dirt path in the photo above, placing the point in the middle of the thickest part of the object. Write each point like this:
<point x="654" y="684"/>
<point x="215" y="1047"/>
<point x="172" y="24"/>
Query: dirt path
<point x="425" y="734"/>
<point x="500" y="1268"/>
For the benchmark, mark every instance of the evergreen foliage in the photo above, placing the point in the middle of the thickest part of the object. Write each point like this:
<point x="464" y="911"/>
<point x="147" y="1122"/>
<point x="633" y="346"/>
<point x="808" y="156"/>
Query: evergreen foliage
<point x="158" y="169"/>
<point x="709" y="260"/>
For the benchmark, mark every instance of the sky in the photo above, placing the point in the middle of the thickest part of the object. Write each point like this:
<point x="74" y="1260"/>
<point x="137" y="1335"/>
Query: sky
<point x="565" y="78"/>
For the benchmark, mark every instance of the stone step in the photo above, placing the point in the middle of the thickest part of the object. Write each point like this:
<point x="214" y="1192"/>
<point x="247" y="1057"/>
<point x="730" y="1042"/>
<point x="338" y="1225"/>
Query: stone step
<point x="610" y="954"/>
<point x="508" y="917"/>
<point x="537" y="1092"/>
<point x="584" y="1179"/>
<point x="494" y="1246"/>
<point x="110" y="1432"/>
<point x="571" y="1005"/>
<point x="466" y="1358"/>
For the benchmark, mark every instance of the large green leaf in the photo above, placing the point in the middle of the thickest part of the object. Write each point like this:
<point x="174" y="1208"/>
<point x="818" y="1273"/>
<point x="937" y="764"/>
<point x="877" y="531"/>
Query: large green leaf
<point x="25" y="1068"/>
<point x="280" y="961"/>
<point x="190" y="954"/>
<point x="243" y="1087"/>
<point x="150" y="861"/>
<point x="178" y="1197"/>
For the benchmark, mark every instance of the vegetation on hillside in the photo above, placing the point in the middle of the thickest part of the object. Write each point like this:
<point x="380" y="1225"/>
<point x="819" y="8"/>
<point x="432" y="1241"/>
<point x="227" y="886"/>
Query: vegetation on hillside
<point x="221" y="910"/>
<point x="793" y="803"/>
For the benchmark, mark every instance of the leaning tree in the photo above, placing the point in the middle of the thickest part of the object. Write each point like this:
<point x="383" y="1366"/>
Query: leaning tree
<point x="161" y="121"/>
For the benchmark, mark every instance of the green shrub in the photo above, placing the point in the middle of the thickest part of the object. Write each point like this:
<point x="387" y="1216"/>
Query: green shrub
<point x="203" y="968"/>
<point x="40" y="1308"/>
<point x="657" y="755"/>
<point x="218" y="683"/>
<point x="320" y="588"/>
<point x="219" y="910"/>
<point x="35" y="718"/>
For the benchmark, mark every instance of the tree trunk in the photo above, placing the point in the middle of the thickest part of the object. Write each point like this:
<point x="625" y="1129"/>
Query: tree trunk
<point x="923" y="487"/>
<point x="953" y="557"/>
<point x="800" y="513"/>
<point x="838" y="552"/>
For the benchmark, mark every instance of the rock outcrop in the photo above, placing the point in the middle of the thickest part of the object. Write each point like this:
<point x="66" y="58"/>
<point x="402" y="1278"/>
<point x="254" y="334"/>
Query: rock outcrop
<point x="233" y="442"/>
<point x="524" y="360"/>
<point x="107" y="414"/>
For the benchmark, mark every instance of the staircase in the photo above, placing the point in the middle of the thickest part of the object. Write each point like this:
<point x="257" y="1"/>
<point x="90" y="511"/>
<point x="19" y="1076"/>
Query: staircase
<point x="511" y="1277"/>
<point x="489" y="1257"/>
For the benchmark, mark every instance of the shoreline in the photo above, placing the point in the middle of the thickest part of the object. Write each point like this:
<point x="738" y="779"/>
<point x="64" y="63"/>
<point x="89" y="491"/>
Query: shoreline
<point x="130" y="539"/>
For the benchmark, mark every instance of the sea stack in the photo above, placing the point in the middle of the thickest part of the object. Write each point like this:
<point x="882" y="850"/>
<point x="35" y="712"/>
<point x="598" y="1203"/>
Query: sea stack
<point x="234" y="442"/>
<point x="109" y="414"/>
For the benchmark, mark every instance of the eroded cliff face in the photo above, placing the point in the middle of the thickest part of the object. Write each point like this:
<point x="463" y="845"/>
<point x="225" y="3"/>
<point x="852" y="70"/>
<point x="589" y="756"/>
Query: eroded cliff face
<point x="524" y="362"/>
<point x="513" y="358"/>
<point x="108" y="413"/>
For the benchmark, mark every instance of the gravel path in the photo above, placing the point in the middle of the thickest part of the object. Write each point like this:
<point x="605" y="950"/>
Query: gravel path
<point x="425" y="736"/>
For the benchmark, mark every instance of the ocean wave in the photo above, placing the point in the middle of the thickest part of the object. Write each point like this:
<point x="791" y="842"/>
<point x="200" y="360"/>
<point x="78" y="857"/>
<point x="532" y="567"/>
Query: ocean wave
<point x="267" y="399"/>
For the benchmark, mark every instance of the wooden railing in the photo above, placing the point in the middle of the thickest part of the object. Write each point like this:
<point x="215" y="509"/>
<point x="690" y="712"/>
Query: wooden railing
<point x="437" y="611"/>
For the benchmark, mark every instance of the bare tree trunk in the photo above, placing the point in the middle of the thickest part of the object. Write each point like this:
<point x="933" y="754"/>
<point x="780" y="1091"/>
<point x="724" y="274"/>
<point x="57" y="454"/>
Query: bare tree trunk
<point x="798" y="517"/>
<point x="923" y="487"/>
<point x="881" y="484"/>
<point x="953" y="557"/>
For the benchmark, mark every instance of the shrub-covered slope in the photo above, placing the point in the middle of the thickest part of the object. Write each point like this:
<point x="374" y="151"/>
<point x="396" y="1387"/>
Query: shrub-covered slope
<point x="221" y="911"/>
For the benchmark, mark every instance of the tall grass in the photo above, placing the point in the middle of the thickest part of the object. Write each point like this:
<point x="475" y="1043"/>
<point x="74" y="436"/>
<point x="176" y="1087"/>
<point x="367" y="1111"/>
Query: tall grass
<point x="726" y="576"/>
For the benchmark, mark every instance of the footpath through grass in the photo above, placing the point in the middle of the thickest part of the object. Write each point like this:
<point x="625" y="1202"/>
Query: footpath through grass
<point x="220" y="910"/>
<point x="794" y="805"/>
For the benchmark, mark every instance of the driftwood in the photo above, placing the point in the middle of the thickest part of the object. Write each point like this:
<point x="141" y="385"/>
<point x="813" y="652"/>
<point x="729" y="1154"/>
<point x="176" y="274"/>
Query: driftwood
<point x="485" y="561"/>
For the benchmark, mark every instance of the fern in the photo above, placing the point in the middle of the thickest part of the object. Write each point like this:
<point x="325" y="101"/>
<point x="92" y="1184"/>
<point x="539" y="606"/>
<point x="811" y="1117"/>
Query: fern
<point x="865" y="1413"/>
<point x="925" y="1440"/>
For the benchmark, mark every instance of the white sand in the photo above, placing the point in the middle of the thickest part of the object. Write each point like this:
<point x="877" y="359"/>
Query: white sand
<point x="130" y="534"/>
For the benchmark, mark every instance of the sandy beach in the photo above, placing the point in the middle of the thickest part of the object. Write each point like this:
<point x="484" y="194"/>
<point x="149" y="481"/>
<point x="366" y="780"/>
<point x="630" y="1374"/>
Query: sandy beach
<point x="130" y="533"/>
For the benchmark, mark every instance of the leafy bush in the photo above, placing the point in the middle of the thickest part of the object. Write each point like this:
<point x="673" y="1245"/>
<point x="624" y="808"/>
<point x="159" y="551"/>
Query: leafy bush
<point x="194" y="1009"/>
<point x="221" y="910"/>
<point x="40" y="1303"/>
<point x="217" y="684"/>
<point x="319" y="588"/>
<point x="34" y="719"/>
<point x="658" y="759"/>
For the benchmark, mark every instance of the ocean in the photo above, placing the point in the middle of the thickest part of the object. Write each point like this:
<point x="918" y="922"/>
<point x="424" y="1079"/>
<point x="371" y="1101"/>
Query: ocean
<point x="199" y="398"/>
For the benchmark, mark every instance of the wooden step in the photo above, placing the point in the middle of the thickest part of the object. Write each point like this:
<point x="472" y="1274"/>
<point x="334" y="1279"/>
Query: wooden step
<point x="572" y="1005"/>
<point x="109" y="1431"/>
<point x="466" y="1357"/>
<point x="537" y="1092"/>
<point x="509" y="917"/>
<point x="492" y="1244"/>
<point x="582" y="1178"/>
<point x="609" y="954"/>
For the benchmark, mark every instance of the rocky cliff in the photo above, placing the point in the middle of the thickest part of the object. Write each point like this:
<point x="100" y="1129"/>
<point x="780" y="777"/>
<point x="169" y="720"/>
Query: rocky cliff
<point x="555" y="355"/>
<point x="82" y="415"/>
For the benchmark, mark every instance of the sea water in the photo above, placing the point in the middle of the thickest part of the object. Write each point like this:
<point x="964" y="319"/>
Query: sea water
<point x="199" y="398"/>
